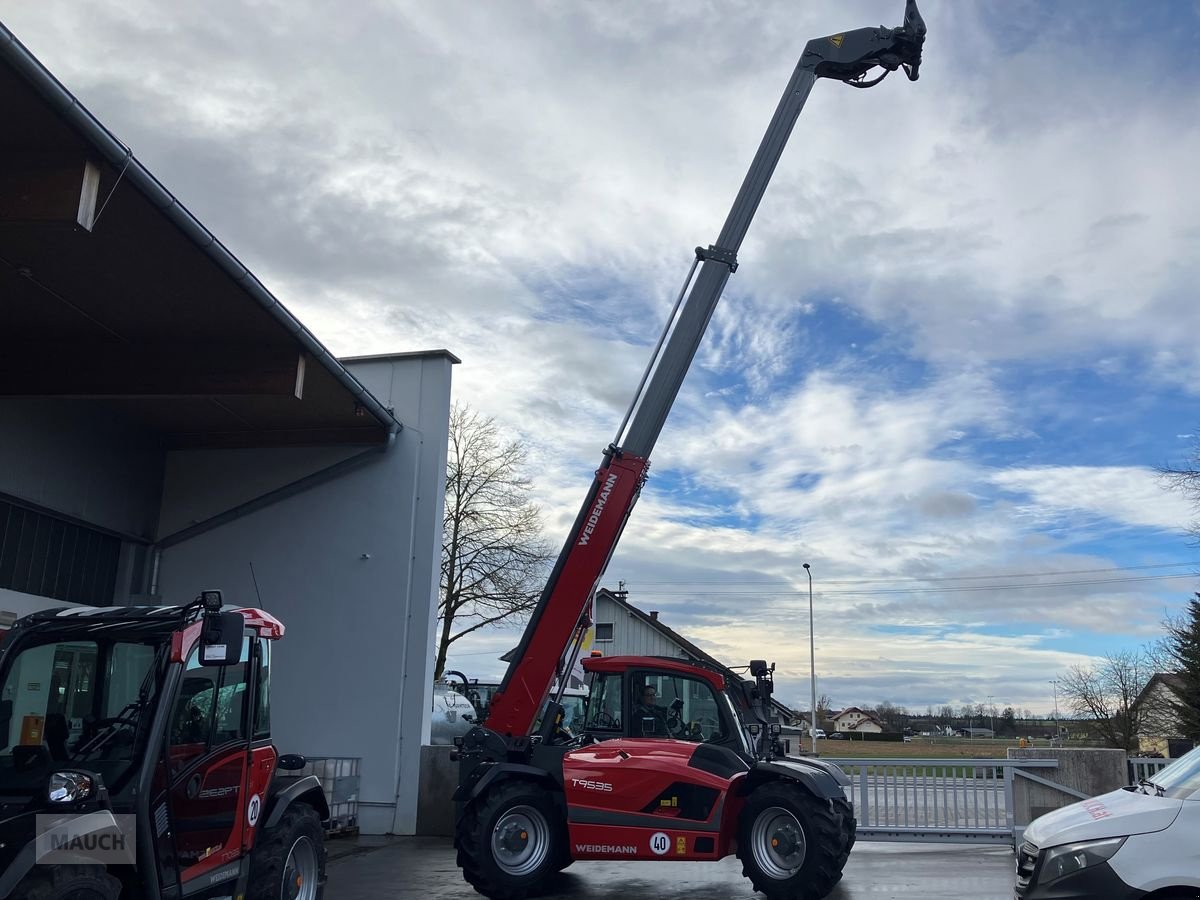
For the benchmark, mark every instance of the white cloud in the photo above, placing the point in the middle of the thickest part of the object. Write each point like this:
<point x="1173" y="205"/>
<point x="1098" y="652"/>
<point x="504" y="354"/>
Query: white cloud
<point x="522" y="184"/>
<point x="1123" y="494"/>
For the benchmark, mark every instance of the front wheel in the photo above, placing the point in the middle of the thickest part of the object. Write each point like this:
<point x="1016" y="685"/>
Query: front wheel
<point x="68" y="883"/>
<point x="510" y="841"/>
<point x="288" y="861"/>
<point x="790" y="843"/>
<point x="849" y="829"/>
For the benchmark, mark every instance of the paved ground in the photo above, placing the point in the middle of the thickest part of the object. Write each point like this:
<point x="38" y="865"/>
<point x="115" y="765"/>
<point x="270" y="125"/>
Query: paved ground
<point x="412" y="868"/>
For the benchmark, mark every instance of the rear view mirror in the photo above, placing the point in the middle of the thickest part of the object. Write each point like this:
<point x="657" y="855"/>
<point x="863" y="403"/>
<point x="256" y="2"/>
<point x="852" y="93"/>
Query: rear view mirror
<point x="221" y="639"/>
<point x="291" y="762"/>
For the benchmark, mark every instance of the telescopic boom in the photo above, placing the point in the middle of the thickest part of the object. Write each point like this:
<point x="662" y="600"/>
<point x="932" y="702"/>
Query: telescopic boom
<point x="561" y="611"/>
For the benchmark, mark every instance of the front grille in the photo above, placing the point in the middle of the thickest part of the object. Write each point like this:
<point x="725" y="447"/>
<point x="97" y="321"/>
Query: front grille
<point x="1027" y="856"/>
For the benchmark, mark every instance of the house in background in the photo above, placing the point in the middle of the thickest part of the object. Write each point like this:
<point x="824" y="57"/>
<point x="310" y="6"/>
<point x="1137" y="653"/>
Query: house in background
<point x="857" y="720"/>
<point x="1159" y="729"/>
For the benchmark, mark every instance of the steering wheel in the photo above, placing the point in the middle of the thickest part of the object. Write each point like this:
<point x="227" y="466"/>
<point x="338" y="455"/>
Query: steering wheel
<point x="605" y="719"/>
<point x="708" y="730"/>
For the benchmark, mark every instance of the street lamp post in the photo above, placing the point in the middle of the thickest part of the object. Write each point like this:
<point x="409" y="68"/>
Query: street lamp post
<point x="812" y="661"/>
<point x="1057" y="729"/>
<point x="992" y="710"/>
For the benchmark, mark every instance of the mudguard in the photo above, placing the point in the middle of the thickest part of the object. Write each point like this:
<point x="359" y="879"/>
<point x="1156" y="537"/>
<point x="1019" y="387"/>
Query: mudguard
<point x="17" y="869"/>
<point x="307" y="789"/>
<point x="484" y="774"/>
<point x="824" y="780"/>
<point x="99" y="821"/>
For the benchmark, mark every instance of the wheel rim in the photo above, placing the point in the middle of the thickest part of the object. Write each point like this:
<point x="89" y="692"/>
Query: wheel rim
<point x="300" y="872"/>
<point x="778" y="843"/>
<point x="520" y="840"/>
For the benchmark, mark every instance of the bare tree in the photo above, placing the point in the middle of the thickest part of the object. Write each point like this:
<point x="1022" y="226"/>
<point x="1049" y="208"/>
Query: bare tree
<point x="1186" y="480"/>
<point x="1104" y="696"/>
<point x="494" y="559"/>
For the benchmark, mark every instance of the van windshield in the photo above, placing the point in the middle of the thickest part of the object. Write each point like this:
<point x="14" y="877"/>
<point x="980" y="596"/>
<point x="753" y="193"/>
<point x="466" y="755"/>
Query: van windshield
<point x="1181" y="779"/>
<point x="73" y="701"/>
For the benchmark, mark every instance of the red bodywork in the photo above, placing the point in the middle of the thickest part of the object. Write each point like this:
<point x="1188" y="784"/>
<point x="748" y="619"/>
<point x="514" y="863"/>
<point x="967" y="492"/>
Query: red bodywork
<point x="619" y="800"/>
<point x="217" y="798"/>
<point x="619" y="791"/>
<point x="263" y="624"/>
<point x="518" y="703"/>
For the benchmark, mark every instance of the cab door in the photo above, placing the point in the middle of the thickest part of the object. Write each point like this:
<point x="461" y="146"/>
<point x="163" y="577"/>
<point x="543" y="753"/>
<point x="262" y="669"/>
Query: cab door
<point x="207" y="758"/>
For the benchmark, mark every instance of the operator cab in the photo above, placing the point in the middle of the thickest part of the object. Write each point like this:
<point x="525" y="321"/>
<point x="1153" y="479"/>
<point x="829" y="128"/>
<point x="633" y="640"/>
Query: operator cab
<point x="646" y="697"/>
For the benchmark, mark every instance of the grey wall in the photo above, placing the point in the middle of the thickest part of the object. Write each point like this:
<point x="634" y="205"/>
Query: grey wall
<point x="353" y="675"/>
<point x="1086" y="771"/>
<point x="417" y="388"/>
<point x="350" y="566"/>
<point x="83" y="461"/>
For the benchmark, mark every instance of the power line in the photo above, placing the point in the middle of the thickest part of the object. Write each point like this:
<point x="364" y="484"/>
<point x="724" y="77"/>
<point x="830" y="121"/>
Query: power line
<point x="934" y="590"/>
<point x="891" y="579"/>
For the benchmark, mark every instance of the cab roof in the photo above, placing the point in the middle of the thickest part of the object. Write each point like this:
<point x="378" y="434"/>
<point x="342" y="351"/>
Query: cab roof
<point x="619" y="664"/>
<point x="139" y="619"/>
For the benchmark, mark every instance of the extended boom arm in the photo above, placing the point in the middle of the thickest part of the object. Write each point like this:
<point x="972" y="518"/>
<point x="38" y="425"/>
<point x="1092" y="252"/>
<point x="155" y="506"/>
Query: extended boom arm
<point x="846" y="57"/>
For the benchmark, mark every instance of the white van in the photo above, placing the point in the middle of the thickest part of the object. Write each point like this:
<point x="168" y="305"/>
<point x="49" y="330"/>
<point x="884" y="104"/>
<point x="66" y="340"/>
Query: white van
<point x="1139" y="840"/>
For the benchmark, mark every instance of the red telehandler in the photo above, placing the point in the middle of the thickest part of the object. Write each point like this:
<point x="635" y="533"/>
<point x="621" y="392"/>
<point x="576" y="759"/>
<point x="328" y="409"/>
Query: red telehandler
<point x="675" y="760"/>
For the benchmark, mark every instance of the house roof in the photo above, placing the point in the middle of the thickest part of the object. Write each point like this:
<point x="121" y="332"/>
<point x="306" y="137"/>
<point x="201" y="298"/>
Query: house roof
<point x="1169" y="680"/>
<point x="683" y="643"/>
<point x="117" y="296"/>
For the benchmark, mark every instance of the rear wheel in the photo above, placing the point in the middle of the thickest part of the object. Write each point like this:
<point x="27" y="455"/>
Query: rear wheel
<point x="69" y="883"/>
<point x="510" y="840"/>
<point x="790" y="843"/>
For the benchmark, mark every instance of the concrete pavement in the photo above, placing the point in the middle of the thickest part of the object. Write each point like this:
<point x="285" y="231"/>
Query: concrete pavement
<point x="412" y="868"/>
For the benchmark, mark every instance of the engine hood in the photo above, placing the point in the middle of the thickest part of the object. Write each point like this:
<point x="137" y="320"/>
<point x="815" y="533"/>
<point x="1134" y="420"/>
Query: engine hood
<point x="1117" y="814"/>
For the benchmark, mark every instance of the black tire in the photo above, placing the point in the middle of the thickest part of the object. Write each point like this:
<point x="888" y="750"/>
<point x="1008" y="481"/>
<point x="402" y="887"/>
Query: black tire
<point x="790" y="843"/>
<point x="68" y="883"/>
<point x="526" y="817"/>
<point x="281" y="851"/>
<point x="849" y="830"/>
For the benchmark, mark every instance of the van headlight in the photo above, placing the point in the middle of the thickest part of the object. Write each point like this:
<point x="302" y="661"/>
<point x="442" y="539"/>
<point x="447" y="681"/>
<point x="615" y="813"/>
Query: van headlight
<point x="71" y="787"/>
<point x="1070" y="858"/>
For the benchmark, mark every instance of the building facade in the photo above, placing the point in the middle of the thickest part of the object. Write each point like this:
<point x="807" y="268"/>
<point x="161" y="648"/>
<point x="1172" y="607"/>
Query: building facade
<point x="167" y="426"/>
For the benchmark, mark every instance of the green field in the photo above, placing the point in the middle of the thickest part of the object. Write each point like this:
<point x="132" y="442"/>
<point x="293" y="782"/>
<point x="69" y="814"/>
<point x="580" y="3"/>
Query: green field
<point x="921" y="748"/>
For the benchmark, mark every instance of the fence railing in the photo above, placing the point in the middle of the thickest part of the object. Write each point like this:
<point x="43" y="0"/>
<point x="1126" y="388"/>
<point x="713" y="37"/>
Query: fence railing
<point x="1142" y="767"/>
<point x="936" y="799"/>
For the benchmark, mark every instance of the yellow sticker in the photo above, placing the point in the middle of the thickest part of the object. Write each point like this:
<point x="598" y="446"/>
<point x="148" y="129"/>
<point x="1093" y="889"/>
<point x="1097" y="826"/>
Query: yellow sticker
<point x="837" y="40"/>
<point x="681" y="845"/>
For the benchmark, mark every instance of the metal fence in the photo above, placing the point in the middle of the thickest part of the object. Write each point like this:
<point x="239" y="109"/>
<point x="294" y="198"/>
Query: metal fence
<point x="942" y="800"/>
<point x="1141" y="767"/>
<point x="339" y="777"/>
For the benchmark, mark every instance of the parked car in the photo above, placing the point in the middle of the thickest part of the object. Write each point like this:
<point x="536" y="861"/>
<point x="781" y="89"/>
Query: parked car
<point x="837" y="736"/>
<point x="908" y="738"/>
<point x="819" y="734"/>
<point x="1127" y="843"/>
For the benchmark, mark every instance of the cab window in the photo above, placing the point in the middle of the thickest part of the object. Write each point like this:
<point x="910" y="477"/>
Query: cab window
<point x="604" y="703"/>
<point x="210" y="710"/>
<point x="675" y="706"/>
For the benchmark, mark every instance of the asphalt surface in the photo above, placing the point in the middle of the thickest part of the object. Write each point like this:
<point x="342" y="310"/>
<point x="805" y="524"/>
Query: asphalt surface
<point x="424" y="868"/>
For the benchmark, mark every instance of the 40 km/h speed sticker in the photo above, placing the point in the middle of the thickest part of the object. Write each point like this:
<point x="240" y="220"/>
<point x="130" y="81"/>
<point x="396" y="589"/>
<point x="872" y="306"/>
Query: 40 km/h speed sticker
<point x="660" y="843"/>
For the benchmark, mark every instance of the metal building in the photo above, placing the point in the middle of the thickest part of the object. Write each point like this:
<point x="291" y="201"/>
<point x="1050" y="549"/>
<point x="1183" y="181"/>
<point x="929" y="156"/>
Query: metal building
<point x="166" y="426"/>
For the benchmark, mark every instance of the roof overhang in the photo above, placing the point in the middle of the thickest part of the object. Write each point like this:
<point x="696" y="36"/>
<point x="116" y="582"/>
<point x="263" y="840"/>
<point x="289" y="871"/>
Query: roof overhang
<point x="114" y="294"/>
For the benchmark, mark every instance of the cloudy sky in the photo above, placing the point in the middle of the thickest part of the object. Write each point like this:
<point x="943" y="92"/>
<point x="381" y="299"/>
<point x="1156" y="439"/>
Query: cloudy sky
<point x="963" y="334"/>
